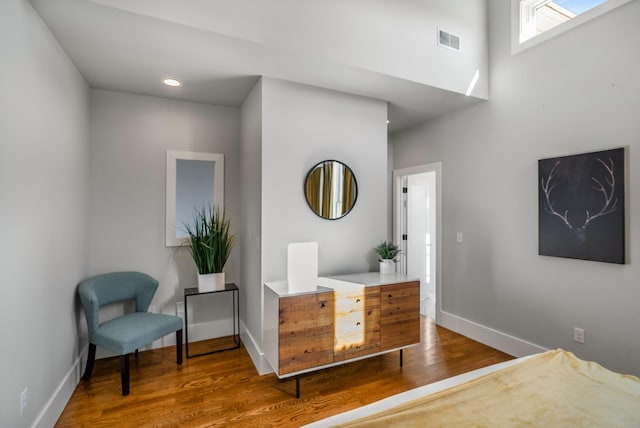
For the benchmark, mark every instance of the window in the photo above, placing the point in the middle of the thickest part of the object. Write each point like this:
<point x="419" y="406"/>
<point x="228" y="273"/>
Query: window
<point x="534" y="21"/>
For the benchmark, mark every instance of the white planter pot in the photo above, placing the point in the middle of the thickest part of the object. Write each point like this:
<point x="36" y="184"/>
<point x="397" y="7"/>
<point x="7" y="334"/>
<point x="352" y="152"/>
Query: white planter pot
<point x="210" y="282"/>
<point x="387" y="267"/>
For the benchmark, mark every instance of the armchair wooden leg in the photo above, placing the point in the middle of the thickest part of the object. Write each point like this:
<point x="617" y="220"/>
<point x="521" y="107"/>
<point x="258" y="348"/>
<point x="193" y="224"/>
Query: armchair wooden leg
<point x="91" y="358"/>
<point x="124" y="373"/>
<point x="179" y="346"/>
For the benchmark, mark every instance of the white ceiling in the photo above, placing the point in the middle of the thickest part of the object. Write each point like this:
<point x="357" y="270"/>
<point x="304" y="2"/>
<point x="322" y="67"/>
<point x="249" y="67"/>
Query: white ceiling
<point x="218" y="56"/>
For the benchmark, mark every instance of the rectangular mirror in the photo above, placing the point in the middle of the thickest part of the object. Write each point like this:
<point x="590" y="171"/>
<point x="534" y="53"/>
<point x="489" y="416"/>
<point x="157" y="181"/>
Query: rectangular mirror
<point x="194" y="180"/>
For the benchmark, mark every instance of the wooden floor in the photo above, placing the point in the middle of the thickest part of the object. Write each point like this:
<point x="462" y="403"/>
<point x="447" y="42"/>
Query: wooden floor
<point x="224" y="389"/>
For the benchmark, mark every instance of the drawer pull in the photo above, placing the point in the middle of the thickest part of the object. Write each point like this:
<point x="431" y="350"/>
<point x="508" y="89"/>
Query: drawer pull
<point x="390" y="295"/>
<point x="357" y="300"/>
<point x="358" y="323"/>
<point x="323" y="305"/>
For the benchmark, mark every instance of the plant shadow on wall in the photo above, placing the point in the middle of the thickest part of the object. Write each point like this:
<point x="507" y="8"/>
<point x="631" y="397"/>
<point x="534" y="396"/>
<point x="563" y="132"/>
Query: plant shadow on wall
<point x="581" y="206"/>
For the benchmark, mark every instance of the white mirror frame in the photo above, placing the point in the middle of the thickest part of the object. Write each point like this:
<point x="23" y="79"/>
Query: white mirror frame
<point x="172" y="240"/>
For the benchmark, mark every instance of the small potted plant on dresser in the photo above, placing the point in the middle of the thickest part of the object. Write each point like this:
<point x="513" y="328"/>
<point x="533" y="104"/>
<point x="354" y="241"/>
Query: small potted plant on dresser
<point x="387" y="252"/>
<point x="210" y="243"/>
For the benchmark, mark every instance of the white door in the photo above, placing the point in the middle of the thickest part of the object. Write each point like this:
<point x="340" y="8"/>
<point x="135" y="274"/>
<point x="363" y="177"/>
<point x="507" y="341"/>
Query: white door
<point x="416" y="233"/>
<point x="416" y="227"/>
<point x="420" y="232"/>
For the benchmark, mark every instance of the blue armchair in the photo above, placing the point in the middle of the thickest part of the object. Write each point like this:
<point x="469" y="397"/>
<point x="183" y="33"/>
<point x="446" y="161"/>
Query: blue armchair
<point x="127" y="333"/>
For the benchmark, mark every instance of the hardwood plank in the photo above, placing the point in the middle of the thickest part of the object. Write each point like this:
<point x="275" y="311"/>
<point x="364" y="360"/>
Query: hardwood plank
<point x="224" y="389"/>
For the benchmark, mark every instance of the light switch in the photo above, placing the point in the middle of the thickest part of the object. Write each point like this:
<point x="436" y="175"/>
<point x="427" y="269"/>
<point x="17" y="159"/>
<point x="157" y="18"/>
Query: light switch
<point x="459" y="237"/>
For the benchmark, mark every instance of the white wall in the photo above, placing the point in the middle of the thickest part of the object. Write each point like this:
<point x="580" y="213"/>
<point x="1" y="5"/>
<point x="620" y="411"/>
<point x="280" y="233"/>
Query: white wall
<point x="299" y="126"/>
<point x="303" y="125"/>
<point x="250" y="221"/>
<point x="44" y="174"/>
<point x="130" y="135"/>
<point x="575" y="93"/>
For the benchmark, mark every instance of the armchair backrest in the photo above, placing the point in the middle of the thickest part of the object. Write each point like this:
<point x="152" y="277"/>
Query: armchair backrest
<point x="114" y="287"/>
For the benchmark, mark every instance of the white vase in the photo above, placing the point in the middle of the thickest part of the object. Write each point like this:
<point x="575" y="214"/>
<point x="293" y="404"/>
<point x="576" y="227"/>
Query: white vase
<point x="387" y="266"/>
<point x="211" y="282"/>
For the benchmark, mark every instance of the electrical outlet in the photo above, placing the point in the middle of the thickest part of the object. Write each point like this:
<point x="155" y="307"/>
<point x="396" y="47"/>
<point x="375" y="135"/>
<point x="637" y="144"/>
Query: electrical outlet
<point x="179" y="308"/>
<point x="578" y="334"/>
<point x="459" y="237"/>
<point x="152" y="309"/>
<point x="24" y="396"/>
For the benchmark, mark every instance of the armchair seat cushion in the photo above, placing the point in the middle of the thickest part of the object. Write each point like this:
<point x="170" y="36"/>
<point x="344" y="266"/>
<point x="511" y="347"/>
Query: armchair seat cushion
<point x="127" y="333"/>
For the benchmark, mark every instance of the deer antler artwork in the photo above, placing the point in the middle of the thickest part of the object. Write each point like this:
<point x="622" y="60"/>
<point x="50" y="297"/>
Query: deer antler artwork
<point x="547" y="187"/>
<point x="608" y="193"/>
<point x="581" y="206"/>
<point x="607" y="190"/>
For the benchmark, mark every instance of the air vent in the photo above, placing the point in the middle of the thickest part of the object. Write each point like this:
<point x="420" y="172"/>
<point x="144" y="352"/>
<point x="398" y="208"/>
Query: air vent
<point x="448" y="40"/>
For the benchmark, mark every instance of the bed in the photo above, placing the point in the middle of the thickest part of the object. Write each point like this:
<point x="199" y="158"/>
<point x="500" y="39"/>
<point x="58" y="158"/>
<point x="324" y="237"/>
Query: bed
<point x="551" y="389"/>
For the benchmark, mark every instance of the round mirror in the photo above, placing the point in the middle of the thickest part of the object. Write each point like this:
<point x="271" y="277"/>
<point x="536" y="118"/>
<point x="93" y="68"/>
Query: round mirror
<point x="331" y="189"/>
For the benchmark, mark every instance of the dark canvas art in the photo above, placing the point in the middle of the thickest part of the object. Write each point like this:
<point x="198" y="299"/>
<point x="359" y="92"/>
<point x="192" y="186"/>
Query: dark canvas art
<point x="581" y="206"/>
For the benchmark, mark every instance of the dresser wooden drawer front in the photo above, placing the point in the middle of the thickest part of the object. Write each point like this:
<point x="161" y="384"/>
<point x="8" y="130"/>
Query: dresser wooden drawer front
<point x="308" y="311"/>
<point x="306" y="332"/>
<point x="305" y="353"/>
<point x="354" y="346"/>
<point x="355" y="301"/>
<point x="404" y="289"/>
<point x="399" y="315"/>
<point x="399" y="334"/>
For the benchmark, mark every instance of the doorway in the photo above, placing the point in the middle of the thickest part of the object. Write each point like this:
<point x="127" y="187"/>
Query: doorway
<point x="417" y="226"/>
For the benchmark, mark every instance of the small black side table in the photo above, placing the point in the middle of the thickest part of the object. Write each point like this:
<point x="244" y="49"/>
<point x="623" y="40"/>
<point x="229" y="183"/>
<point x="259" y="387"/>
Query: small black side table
<point x="230" y="287"/>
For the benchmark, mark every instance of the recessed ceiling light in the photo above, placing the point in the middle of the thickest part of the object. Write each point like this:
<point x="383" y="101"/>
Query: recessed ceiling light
<point x="171" y="82"/>
<point x="388" y="121"/>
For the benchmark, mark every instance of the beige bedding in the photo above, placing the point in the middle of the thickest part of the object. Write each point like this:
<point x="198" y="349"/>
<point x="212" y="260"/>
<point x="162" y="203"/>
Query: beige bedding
<point x="552" y="389"/>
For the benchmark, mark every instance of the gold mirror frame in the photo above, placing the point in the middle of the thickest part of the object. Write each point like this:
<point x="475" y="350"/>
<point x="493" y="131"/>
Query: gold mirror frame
<point x="331" y="189"/>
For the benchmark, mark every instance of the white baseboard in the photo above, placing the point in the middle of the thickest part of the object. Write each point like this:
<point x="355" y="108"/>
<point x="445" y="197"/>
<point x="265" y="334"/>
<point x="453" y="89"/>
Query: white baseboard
<point x="255" y="351"/>
<point x="490" y="337"/>
<point x="52" y="410"/>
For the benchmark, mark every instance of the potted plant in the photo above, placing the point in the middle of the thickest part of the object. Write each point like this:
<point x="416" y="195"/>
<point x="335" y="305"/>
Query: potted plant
<point x="210" y="244"/>
<point x="387" y="252"/>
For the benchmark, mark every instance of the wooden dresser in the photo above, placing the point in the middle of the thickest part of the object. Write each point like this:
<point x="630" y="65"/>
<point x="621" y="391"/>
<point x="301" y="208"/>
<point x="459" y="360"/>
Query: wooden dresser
<point x="340" y="319"/>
